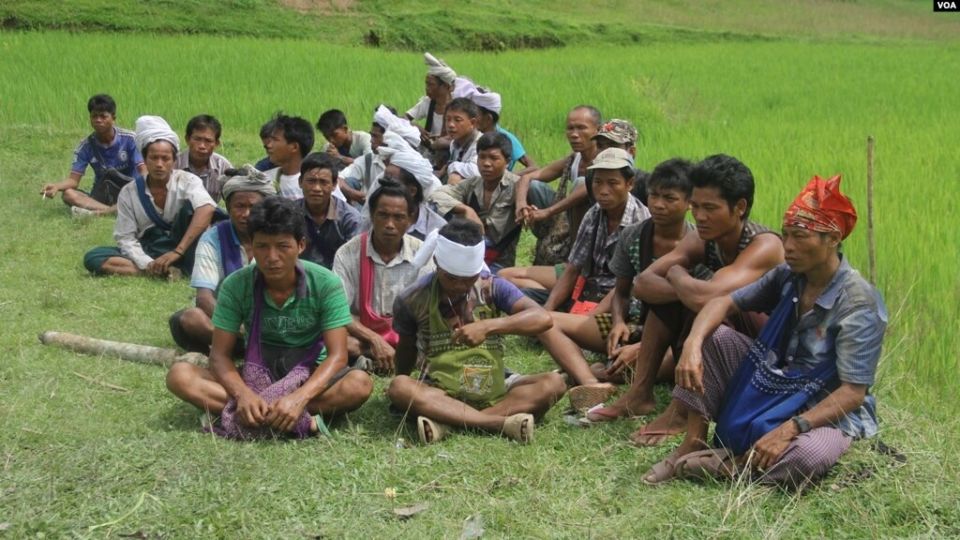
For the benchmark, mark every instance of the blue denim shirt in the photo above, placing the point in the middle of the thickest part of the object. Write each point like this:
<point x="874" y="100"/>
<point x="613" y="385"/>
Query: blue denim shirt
<point x="845" y="325"/>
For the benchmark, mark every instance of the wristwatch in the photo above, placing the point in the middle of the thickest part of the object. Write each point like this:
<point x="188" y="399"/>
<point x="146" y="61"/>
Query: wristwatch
<point x="802" y="425"/>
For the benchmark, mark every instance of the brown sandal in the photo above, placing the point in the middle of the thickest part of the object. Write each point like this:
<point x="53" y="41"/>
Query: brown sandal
<point x="715" y="463"/>
<point x="662" y="471"/>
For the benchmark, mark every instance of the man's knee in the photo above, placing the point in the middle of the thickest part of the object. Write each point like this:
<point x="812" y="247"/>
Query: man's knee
<point x="180" y="375"/>
<point x="356" y="385"/>
<point x="194" y="320"/>
<point x="554" y="384"/>
<point x="71" y="197"/>
<point x="399" y="392"/>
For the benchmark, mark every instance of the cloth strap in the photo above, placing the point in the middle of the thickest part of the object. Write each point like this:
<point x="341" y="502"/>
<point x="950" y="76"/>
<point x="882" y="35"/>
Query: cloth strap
<point x="147" y="203"/>
<point x="368" y="317"/>
<point x="231" y="256"/>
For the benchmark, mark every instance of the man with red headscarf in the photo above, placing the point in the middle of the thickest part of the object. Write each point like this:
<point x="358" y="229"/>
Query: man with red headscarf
<point x="788" y="404"/>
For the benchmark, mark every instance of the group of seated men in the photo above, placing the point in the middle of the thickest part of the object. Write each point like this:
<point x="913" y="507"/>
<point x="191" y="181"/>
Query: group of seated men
<point x="393" y="253"/>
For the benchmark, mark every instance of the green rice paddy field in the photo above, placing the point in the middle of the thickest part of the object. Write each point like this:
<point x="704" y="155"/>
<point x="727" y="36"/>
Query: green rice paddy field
<point x="95" y="447"/>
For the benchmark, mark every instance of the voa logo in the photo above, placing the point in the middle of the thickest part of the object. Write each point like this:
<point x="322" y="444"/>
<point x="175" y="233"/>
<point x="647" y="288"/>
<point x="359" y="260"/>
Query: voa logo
<point x="945" y="5"/>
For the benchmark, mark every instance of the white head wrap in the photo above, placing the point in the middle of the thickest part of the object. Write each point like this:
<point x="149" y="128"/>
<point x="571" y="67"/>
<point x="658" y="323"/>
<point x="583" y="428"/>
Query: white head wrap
<point x="401" y="126"/>
<point x="249" y="179"/>
<point x="481" y="97"/>
<point x="153" y="128"/>
<point x="454" y="258"/>
<point x="397" y="152"/>
<point x="439" y="69"/>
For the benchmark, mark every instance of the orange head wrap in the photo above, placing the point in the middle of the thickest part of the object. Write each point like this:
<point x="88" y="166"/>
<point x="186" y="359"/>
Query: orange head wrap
<point x="821" y="207"/>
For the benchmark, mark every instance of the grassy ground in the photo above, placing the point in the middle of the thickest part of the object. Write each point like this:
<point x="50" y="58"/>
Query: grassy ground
<point x="83" y="459"/>
<point x="496" y="24"/>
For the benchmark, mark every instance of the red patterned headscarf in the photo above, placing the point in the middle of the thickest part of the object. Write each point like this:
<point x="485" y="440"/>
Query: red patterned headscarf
<point x="821" y="207"/>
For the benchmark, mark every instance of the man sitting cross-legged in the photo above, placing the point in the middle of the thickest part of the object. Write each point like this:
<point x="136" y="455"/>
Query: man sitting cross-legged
<point x="734" y="249"/>
<point x="222" y="250"/>
<point x="160" y="217"/>
<point x="787" y="405"/>
<point x="295" y="375"/>
<point x="108" y="150"/>
<point x="453" y="319"/>
<point x="609" y="331"/>
<point x="375" y="267"/>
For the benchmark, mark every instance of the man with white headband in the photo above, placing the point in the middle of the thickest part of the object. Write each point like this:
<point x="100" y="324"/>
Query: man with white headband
<point x="490" y="105"/>
<point x="453" y="319"/>
<point x="439" y="85"/>
<point x="160" y="217"/>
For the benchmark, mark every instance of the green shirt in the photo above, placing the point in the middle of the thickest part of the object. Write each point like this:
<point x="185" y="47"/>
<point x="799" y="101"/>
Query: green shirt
<point x="317" y="305"/>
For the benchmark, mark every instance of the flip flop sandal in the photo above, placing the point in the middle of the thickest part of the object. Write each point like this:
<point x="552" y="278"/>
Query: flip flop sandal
<point x="437" y="430"/>
<point x="322" y="428"/>
<point x="715" y="463"/>
<point x="584" y="397"/>
<point x="513" y="427"/>
<point x="662" y="471"/>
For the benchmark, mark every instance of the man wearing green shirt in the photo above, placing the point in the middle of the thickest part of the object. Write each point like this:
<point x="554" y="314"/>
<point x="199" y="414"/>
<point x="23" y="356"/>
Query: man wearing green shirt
<point x="295" y="313"/>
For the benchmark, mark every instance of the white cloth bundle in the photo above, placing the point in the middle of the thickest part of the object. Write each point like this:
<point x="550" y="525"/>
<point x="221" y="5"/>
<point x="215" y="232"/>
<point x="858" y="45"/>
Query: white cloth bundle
<point x="397" y="152"/>
<point x="153" y="128"/>
<point x="401" y="126"/>
<point x="454" y="258"/>
<point x="481" y="97"/>
<point x="439" y="69"/>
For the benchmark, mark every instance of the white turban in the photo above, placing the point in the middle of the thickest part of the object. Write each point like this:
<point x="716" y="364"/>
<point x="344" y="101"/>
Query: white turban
<point x="152" y="129"/>
<point x="401" y="126"/>
<point x="454" y="258"/>
<point x="439" y="69"/>
<point x="249" y="179"/>
<point x="481" y="97"/>
<point x="397" y="152"/>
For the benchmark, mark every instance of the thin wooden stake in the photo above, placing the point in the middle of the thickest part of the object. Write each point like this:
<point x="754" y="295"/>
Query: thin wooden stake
<point x="871" y="243"/>
<point x="101" y="383"/>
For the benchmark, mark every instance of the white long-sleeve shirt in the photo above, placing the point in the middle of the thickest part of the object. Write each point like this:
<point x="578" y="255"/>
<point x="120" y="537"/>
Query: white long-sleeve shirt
<point x="132" y="218"/>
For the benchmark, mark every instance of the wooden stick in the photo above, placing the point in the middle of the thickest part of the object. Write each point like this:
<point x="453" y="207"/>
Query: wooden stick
<point x="143" y="354"/>
<point x="101" y="383"/>
<point x="871" y="243"/>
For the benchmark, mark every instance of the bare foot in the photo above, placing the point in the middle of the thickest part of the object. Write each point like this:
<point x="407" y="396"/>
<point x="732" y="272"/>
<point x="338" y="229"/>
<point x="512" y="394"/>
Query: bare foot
<point x="671" y="422"/>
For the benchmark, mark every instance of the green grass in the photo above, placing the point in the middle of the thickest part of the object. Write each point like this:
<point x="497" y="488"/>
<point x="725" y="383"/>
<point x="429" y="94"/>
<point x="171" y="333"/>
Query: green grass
<point x="80" y="459"/>
<point x="489" y="25"/>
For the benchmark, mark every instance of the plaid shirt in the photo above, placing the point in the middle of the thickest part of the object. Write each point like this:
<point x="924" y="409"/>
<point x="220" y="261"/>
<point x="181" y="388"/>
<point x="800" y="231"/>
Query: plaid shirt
<point x="845" y="325"/>
<point x="594" y="248"/>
